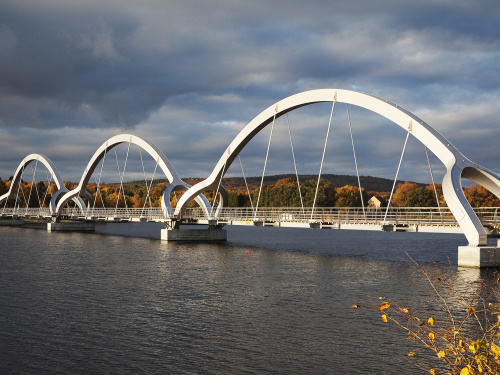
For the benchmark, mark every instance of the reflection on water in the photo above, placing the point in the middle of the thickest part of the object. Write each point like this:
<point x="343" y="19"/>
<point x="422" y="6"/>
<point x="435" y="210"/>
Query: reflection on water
<point x="270" y="300"/>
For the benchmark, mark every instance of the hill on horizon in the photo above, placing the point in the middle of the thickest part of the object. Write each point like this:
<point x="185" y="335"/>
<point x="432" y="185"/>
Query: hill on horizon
<point x="369" y="183"/>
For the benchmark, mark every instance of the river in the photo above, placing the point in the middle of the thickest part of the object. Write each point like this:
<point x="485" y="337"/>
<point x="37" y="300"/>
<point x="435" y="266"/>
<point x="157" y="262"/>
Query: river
<point x="270" y="300"/>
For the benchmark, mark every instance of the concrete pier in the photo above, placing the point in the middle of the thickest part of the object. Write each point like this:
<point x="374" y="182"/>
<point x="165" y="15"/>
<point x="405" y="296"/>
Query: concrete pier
<point x="71" y="226"/>
<point x="194" y="235"/>
<point x="478" y="256"/>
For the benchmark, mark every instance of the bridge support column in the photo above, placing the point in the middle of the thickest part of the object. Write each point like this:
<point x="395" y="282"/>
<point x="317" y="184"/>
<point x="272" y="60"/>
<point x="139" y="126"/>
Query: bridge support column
<point x="194" y="235"/>
<point x="71" y="226"/>
<point x="478" y="256"/>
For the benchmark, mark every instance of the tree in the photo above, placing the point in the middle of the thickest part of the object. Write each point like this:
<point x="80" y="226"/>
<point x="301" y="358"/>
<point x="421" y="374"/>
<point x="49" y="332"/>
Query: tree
<point x="479" y="196"/>
<point x="286" y="181"/>
<point x="3" y="187"/>
<point x="284" y="193"/>
<point x="421" y="197"/>
<point x="439" y="189"/>
<point x="348" y="196"/>
<point x="400" y="196"/>
<point x="325" y="196"/>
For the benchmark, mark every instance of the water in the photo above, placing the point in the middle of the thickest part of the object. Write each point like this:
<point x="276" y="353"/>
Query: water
<point x="271" y="300"/>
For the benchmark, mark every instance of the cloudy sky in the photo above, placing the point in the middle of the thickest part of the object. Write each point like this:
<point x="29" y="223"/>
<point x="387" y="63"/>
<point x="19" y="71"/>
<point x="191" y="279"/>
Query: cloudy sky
<point x="188" y="75"/>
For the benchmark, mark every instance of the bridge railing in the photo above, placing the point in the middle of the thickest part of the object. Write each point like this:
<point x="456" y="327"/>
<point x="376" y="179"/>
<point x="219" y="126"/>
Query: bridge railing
<point x="355" y="215"/>
<point x="153" y="213"/>
<point x="26" y="212"/>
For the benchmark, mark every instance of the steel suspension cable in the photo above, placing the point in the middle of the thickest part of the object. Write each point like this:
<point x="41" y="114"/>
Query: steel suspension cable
<point x="49" y="181"/>
<point x="37" y="193"/>
<point x="145" y="179"/>
<point x="150" y="185"/>
<point x="323" y="158"/>
<point x="31" y="187"/>
<point x="265" y="162"/>
<point x="295" y="164"/>
<point x="19" y="187"/>
<point x="355" y="161"/>
<point x="218" y="187"/>
<point x="98" y="188"/>
<point x="6" y="200"/>
<point x="397" y="172"/>
<point x="244" y="178"/>
<point x="121" y="179"/>
<point x="98" y="191"/>
<point x="432" y="178"/>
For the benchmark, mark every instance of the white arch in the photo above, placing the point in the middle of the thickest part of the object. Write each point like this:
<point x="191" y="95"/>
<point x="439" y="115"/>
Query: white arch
<point x="55" y="175"/>
<point x="176" y="183"/>
<point x="456" y="164"/>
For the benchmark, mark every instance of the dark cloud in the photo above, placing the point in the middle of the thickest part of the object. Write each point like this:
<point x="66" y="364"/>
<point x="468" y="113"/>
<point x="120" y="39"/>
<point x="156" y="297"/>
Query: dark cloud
<point x="190" y="75"/>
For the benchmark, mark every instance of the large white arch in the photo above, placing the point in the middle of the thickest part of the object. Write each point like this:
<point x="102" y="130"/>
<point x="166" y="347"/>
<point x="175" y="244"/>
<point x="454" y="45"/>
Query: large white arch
<point x="55" y="175"/>
<point x="176" y="184"/>
<point x="456" y="164"/>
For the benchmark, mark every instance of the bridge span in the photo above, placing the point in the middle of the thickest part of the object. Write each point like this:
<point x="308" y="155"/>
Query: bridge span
<point x="50" y="199"/>
<point x="404" y="219"/>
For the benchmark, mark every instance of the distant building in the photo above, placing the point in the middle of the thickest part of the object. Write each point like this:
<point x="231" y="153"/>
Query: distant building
<point x="377" y="201"/>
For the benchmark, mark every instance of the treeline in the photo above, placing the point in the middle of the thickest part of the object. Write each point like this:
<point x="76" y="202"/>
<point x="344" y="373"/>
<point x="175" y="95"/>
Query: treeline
<point x="374" y="184"/>
<point x="283" y="193"/>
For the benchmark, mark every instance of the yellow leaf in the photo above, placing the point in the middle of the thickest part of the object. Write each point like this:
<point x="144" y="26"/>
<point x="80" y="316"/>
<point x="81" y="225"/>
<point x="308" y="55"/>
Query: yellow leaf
<point x="381" y="297"/>
<point x="355" y="306"/>
<point x="384" y="306"/>
<point x="495" y="349"/>
<point x="405" y="310"/>
<point x="465" y="371"/>
<point x="411" y="354"/>
<point x="431" y="336"/>
<point x="471" y="311"/>
<point x="431" y="321"/>
<point x="441" y="354"/>
<point x="384" y="318"/>
<point x="433" y="371"/>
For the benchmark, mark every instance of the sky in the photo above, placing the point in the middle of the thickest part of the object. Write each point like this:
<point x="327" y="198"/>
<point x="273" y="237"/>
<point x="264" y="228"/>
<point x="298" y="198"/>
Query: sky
<point x="189" y="75"/>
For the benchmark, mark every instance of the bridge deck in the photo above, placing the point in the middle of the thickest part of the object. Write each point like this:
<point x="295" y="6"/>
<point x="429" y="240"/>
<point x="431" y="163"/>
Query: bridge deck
<point x="399" y="218"/>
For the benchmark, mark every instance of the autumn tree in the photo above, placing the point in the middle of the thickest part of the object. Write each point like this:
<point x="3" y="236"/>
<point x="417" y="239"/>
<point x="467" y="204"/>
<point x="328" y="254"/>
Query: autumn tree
<point x="439" y="190"/>
<point x="348" y="196"/>
<point x="479" y="196"/>
<point x="400" y="196"/>
<point x="3" y="187"/>
<point x="285" y="193"/>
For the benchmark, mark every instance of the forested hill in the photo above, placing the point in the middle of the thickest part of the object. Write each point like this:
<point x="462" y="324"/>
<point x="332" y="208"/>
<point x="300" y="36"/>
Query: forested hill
<point x="369" y="183"/>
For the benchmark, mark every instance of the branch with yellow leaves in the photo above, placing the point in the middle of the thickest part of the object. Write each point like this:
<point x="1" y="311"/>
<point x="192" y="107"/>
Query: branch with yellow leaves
<point x="463" y="329"/>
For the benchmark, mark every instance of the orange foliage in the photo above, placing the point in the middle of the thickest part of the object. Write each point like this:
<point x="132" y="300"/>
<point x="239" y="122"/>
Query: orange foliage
<point x="479" y="196"/>
<point x="401" y="194"/>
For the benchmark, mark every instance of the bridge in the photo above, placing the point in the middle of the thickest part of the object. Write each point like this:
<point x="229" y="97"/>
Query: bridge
<point x="77" y="209"/>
